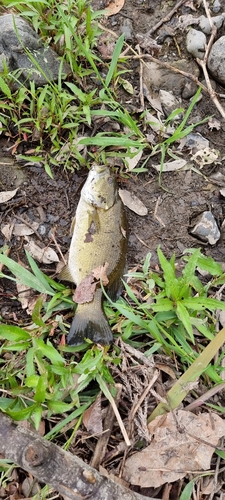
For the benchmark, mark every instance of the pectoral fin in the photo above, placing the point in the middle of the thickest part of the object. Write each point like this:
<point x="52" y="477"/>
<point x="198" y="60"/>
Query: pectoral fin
<point x="65" y="274"/>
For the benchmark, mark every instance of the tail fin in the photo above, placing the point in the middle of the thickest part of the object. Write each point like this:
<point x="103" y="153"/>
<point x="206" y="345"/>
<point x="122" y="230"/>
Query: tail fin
<point x="91" y="326"/>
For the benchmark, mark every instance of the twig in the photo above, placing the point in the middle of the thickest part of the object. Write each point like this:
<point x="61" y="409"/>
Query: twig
<point x="167" y="17"/>
<point x="50" y="464"/>
<point x="58" y="248"/>
<point x="155" y="212"/>
<point x="100" y="449"/>
<point x="141" y="93"/>
<point x="203" y="63"/>
<point x="29" y="225"/>
<point x="134" y="409"/>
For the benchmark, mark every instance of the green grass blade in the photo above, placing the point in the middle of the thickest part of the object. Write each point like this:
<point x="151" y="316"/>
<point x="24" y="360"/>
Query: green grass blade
<point x="114" y="61"/>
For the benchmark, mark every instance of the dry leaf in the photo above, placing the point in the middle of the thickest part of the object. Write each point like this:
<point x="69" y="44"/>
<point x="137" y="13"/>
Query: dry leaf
<point x="24" y="230"/>
<point x="100" y="273"/>
<point x="85" y="290"/>
<point x="24" y="293"/>
<point x="214" y="123"/>
<point x="205" y="156"/>
<point x="44" y="255"/>
<point x="132" y="162"/>
<point x="132" y="202"/>
<point x="182" y="443"/>
<point x="7" y="195"/>
<point x="114" y="7"/>
<point x="7" y="231"/>
<point x="92" y="417"/>
<point x="171" y="166"/>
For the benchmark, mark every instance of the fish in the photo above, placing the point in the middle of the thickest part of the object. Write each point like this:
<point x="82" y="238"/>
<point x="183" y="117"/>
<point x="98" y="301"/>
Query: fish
<point x="99" y="238"/>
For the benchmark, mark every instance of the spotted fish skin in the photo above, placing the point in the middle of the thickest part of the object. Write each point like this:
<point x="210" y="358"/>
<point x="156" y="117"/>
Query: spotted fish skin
<point x="99" y="236"/>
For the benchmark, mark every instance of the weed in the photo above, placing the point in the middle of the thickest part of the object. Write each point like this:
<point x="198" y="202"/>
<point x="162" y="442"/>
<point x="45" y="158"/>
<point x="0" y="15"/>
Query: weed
<point x="37" y="377"/>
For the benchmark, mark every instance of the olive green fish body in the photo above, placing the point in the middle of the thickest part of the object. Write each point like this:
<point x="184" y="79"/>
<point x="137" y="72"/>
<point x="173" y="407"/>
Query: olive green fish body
<point x="99" y="236"/>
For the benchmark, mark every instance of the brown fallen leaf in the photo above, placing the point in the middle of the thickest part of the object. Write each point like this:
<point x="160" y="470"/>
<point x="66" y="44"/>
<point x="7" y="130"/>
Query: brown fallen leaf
<point x="182" y="443"/>
<point x="114" y="7"/>
<point x="171" y="166"/>
<point x="100" y="273"/>
<point x="45" y="255"/>
<point x="7" y="195"/>
<point x="7" y="231"/>
<point x="132" y="202"/>
<point x="213" y="123"/>
<point x="92" y="417"/>
<point x="85" y="290"/>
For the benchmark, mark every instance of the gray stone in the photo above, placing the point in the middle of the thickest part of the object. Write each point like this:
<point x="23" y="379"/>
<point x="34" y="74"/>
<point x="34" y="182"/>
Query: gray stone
<point x="196" y="43"/>
<point x="157" y="77"/>
<point x="169" y="103"/>
<point x="206" y="228"/>
<point x="17" y="41"/>
<point x="204" y="23"/>
<point x="216" y="6"/>
<point x="216" y="60"/>
<point x="127" y="29"/>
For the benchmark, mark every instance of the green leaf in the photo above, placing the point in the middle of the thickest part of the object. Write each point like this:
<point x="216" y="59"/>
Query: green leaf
<point x="36" y="316"/>
<point x="184" y="317"/>
<point x="81" y="95"/>
<point x="190" y="267"/>
<point x="36" y="416"/>
<point x="162" y="304"/>
<point x="5" y="88"/>
<point x="220" y="453"/>
<point x="24" y="276"/>
<point x="59" y="427"/>
<point x="201" y="303"/>
<point x="13" y="333"/>
<point x="32" y="381"/>
<point x="172" y="285"/>
<point x="187" y="491"/>
<point x="38" y="273"/>
<point x="114" y="61"/>
<point x="21" y="414"/>
<point x="49" y="351"/>
<point x="40" y="393"/>
<point x="59" y="406"/>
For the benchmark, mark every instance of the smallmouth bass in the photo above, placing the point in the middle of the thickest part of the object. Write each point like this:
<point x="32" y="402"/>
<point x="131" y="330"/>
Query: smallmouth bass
<point x="99" y="237"/>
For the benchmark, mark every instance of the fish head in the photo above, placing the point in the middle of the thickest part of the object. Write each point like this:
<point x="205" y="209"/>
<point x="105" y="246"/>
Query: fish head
<point x="100" y="189"/>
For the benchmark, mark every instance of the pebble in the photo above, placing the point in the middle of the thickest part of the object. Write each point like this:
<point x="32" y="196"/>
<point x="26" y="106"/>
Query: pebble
<point x="156" y="77"/>
<point x="195" y="43"/>
<point x="216" y="6"/>
<point x="216" y="60"/>
<point x="169" y="103"/>
<point x="206" y="228"/>
<point x="16" y="38"/>
<point x="42" y="230"/>
<point x="204" y="23"/>
<point x="127" y="29"/>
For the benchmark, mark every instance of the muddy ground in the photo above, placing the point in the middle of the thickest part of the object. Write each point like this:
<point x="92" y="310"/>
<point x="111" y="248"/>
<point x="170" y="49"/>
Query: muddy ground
<point x="171" y="211"/>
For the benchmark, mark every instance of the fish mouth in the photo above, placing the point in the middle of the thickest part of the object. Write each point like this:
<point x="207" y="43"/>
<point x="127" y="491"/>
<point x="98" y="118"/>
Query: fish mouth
<point x="100" y="168"/>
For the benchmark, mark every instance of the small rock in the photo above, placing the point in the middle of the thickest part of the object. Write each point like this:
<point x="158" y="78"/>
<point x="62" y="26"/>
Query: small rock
<point x="15" y="35"/>
<point x="127" y="29"/>
<point x="206" y="228"/>
<point x="196" y="43"/>
<point x="216" y="60"/>
<point x="156" y="77"/>
<point x="194" y="141"/>
<point x="42" y="229"/>
<point x="204" y="23"/>
<point x="169" y="103"/>
<point x="216" y="6"/>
